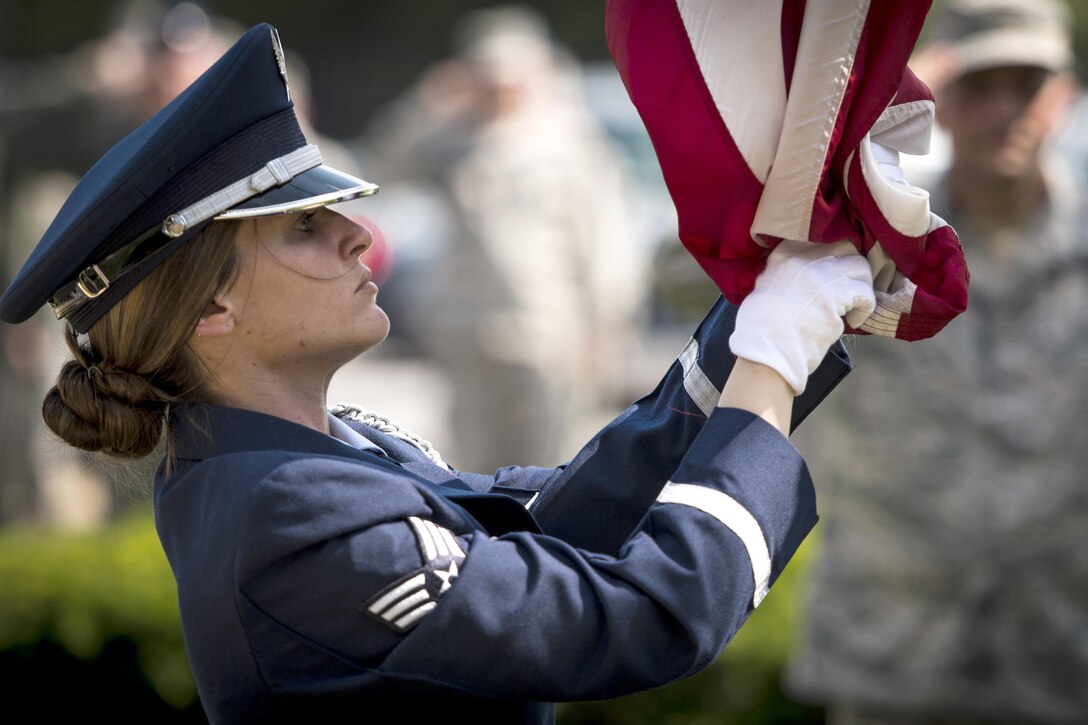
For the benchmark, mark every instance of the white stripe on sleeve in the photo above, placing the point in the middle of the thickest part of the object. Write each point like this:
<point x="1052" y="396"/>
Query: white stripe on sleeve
<point x="436" y="536"/>
<point x="416" y="582"/>
<point x="727" y="510"/>
<point x="424" y="536"/>
<point x="696" y="383"/>
<point x="415" y="615"/>
<point x="455" y="549"/>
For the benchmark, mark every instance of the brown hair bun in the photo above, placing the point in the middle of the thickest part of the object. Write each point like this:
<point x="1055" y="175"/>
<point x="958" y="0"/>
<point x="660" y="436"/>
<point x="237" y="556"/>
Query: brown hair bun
<point x="99" y="408"/>
<point x="136" y="361"/>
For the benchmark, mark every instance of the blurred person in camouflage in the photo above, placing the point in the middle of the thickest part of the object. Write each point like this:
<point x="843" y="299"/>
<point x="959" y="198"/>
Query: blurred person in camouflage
<point x="534" y="302"/>
<point x="953" y="580"/>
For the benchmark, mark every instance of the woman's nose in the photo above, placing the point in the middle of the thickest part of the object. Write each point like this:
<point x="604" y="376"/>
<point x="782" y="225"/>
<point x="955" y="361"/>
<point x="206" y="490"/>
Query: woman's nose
<point x="356" y="240"/>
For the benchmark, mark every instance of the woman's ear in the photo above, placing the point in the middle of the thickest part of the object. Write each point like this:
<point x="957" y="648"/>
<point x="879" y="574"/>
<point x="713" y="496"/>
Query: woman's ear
<point x="217" y="319"/>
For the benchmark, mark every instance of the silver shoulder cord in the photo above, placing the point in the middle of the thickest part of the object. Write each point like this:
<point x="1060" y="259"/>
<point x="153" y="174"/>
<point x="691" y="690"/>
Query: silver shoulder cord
<point x="346" y="411"/>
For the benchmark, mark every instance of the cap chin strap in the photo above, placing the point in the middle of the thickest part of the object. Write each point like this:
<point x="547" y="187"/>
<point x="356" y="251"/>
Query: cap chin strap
<point x="276" y="172"/>
<point x="97" y="278"/>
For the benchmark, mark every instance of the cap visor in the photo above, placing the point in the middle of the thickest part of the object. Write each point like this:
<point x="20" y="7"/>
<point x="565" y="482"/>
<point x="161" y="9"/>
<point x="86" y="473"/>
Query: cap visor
<point x="1015" y="48"/>
<point x="319" y="186"/>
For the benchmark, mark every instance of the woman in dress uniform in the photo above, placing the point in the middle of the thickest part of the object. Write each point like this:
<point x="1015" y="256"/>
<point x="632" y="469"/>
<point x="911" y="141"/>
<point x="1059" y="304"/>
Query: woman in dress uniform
<point x="330" y="565"/>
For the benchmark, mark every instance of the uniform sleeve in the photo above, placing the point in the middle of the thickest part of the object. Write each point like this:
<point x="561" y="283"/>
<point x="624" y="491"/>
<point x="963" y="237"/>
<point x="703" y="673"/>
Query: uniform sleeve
<point x="626" y="465"/>
<point x="418" y="598"/>
<point x="623" y="469"/>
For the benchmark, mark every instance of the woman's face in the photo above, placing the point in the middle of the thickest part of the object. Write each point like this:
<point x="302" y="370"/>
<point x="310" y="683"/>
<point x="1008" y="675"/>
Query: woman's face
<point x="302" y="297"/>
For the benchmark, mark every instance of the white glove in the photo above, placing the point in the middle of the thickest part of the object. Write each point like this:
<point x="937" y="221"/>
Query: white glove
<point x="795" y="312"/>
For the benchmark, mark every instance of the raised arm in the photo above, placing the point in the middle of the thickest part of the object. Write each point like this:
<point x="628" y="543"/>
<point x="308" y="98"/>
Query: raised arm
<point x="787" y="324"/>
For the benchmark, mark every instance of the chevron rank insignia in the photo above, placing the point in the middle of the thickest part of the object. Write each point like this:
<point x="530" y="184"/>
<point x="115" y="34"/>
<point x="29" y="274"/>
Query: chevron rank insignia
<point x="402" y="604"/>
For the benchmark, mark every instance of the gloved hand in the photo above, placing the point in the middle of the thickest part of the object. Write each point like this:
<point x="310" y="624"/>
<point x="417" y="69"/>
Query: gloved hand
<point x="795" y="312"/>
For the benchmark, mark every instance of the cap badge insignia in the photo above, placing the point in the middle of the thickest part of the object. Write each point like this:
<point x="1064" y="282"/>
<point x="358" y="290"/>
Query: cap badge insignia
<point x="277" y="48"/>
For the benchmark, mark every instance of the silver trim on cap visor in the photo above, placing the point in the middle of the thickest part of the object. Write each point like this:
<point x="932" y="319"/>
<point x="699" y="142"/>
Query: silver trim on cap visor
<point x="312" y="202"/>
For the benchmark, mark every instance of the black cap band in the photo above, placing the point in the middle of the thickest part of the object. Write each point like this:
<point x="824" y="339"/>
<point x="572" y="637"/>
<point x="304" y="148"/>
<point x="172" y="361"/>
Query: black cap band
<point x="142" y="245"/>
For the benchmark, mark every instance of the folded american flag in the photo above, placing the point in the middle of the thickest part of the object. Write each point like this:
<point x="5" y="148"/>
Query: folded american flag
<point x="783" y="119"/>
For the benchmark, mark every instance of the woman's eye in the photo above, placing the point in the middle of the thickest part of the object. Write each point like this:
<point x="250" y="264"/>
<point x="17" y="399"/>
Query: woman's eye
<point x="305" y="222"/>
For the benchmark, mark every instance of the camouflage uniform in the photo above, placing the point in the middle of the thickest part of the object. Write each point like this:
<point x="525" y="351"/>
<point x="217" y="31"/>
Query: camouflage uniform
<point x="954" y="578"/>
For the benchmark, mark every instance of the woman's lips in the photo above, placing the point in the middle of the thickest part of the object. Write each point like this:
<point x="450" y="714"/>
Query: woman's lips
<point x="365" y="284"/>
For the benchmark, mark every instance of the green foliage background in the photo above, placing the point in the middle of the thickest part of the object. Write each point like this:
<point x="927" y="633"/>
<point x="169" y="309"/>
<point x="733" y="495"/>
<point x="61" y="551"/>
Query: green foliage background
<point x="98" y="607"/>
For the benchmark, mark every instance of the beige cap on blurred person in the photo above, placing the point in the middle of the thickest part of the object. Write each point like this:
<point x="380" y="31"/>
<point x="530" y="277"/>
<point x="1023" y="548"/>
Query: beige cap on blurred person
<point x="508" y="45"/>
<point x="993" y="33"/>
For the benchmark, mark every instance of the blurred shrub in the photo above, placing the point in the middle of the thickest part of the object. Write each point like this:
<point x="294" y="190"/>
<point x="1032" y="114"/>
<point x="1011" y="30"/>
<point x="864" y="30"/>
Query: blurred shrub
<point x="89" y="623"/>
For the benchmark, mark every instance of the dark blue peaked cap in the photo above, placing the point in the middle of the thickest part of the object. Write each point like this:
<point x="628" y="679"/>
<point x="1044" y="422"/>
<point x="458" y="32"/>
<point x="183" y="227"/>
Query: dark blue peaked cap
<point x="229" y="146"/>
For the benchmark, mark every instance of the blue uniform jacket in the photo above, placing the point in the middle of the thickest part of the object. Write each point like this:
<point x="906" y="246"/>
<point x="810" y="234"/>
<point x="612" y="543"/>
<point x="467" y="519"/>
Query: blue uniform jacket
<point x="322" y="582"/>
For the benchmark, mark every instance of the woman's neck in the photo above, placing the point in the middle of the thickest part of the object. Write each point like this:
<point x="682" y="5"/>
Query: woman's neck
<point x="299" y="398"/>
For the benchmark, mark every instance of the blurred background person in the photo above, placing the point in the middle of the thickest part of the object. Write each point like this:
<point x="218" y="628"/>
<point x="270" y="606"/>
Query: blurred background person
<point x="535" y="284"/>
<point x="953" y="580"/>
